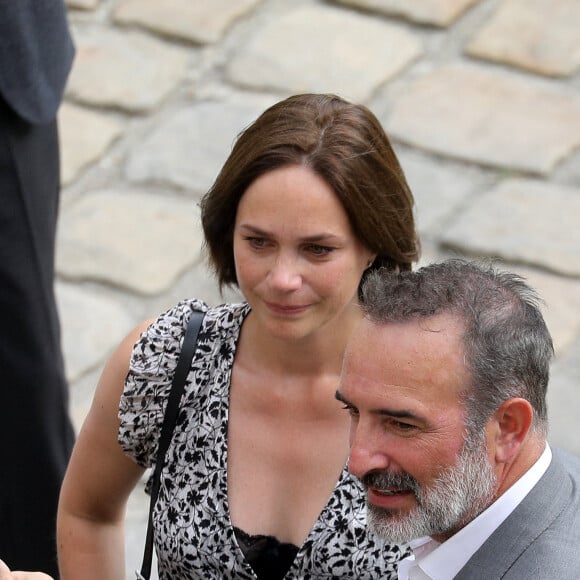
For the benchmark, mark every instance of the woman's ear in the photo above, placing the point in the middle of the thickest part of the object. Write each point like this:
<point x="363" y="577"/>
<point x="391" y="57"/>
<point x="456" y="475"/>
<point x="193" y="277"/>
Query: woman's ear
<point x="511" y="424"/>
<point x="371" y="259"/>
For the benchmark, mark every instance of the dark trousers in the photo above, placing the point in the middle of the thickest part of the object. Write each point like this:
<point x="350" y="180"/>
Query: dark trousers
<point x="36" y="434"/>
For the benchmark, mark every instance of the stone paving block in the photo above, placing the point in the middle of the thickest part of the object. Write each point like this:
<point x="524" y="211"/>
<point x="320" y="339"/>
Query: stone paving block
<point x="198" y="22"/>
<point x="430" y="254"/>
<point x="124" y="69"/>
<point x="438" y="190"/>
<point x="564" y="400"/>
<point x="82" y="4"/>
<point x="85" y="135"/>
<point x="92" y="325"/>
<point x="188" y="148"/>
<point x="436" y="12"/>
<point x="568" y="172"/>
<point x="140" y="242"/>
<point x="523" y="221"/>
<point x="542" y="36"/>
<point x="487" y="117"/>
<point x="323" y="49"/>
<point x="562" y="305"/>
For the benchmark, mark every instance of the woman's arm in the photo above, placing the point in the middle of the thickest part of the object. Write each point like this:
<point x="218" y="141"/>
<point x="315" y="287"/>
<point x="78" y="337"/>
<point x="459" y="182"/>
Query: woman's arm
<point x="98" y="482"/>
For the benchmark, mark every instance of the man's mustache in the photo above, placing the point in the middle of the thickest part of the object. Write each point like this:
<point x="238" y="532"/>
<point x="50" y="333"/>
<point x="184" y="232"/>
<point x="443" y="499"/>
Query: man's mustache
<point x="384" y="480"/>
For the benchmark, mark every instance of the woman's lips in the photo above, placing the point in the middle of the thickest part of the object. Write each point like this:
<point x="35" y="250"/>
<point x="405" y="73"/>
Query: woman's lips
<point x="286" y="309"/>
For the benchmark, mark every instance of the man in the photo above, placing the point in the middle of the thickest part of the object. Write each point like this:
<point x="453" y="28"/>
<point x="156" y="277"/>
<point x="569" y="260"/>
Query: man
<point x="445" y="380"/>
<point x="36" y="434"/>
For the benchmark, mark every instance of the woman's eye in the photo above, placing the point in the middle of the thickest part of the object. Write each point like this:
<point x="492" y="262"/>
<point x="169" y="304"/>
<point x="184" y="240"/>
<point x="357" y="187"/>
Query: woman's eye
<point x="319" y="251"/>
<point x="257" y="243"/>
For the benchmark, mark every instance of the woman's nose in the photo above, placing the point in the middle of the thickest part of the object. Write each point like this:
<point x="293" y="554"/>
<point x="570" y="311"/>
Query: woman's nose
<point x="285" y="274"/>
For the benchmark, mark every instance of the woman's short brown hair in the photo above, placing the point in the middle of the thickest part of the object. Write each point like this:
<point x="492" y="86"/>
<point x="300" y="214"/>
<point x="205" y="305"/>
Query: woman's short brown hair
<point x="344" y="144"/>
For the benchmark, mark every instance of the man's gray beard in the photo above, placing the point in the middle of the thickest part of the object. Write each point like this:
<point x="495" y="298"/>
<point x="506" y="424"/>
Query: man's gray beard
<point x="456" y="497"/>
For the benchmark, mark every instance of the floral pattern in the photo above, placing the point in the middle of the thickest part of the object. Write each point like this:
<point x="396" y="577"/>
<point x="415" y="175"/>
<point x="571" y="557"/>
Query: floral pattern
<point x="194" y="536"/>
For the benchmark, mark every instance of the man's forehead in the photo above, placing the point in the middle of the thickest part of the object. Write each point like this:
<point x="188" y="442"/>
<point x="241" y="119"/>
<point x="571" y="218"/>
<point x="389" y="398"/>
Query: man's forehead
<point x="439" y="332"/>
<point x="415" y="357"/>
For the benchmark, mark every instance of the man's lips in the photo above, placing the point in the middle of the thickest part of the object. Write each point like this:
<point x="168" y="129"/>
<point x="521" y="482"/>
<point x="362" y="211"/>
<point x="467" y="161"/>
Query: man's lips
<point x="389" y="497"/>
<point x="390" y="491"/>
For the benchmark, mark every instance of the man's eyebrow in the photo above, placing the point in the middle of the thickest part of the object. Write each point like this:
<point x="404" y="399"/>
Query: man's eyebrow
<point x="398" y="414"/>
<point x="403" y="414"/>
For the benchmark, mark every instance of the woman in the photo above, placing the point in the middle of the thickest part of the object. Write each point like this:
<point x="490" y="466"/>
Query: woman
<point x="310" y="199"/>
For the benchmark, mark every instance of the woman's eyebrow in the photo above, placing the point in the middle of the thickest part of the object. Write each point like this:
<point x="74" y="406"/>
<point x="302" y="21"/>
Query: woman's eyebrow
<point x="319" y="237"/>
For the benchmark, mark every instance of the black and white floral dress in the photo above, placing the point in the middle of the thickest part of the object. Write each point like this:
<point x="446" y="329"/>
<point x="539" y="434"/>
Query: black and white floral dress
<point x="194" y="536"/>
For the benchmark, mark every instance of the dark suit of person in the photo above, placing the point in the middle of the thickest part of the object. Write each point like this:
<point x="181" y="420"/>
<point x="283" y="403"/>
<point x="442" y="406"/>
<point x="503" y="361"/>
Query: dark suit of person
<point x="540" y="540"/>
<point x="36" y="434"/>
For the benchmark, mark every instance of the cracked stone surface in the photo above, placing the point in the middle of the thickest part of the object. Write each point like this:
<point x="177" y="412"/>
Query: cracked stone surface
<point x="198" y="22"/>
<point x="124" y="69"/>
<point x="83" y="4"/>
<point x="541" y="36"/>
<point x="93" y="325"/>
<point x="501" y="223"/>
<point x="321" y="49"/>
<point x="561" y="297"/>
<point x="439" y="191"/>
<point x="491" y="118"/>
<point x="140" y="242"/>
<point x="86" y="136"/>
<point x="189" y="147"/>
<point x="436" y="12"/>
<point x="564" y="399"/>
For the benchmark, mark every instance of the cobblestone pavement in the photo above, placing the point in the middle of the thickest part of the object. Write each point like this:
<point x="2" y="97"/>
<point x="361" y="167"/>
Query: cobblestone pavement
<point x="481" y="99"/>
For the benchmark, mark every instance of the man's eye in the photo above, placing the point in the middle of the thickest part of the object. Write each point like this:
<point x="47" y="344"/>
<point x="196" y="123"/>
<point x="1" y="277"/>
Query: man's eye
<point x="402" y="426"/>
<point x="351" y="410"/>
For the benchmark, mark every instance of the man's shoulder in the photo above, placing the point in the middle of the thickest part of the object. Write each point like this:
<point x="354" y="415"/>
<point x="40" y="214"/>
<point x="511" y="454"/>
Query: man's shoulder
<point x="540" y="538"/>
<point x="555" y="500"/>
<point x="569" y="461"/>
<point x="553" y="554"/>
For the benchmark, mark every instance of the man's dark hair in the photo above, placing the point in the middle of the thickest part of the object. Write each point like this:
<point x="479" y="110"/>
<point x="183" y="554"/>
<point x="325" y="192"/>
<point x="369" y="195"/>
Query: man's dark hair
<point x="508" y="347"/>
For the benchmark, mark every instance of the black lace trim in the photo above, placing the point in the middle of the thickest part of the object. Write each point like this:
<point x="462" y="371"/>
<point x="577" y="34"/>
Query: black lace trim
<point x="269" y="558"/>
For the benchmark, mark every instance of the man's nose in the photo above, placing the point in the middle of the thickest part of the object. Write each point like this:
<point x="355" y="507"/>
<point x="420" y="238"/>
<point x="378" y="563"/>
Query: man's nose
<point x="368" y="452"/>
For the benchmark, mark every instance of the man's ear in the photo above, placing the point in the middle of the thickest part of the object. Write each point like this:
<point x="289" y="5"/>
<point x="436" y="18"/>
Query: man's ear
<point x="512" y="422"/>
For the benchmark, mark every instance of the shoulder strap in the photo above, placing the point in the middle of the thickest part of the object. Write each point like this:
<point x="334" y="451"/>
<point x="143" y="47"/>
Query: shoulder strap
<point x="169" y="420"/>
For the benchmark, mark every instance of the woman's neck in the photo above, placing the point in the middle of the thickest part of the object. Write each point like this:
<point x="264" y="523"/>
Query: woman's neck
<point x="319" y="353"/>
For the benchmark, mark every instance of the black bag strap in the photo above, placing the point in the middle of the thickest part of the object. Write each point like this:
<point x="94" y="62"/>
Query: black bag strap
<point x="169" y="420"/>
